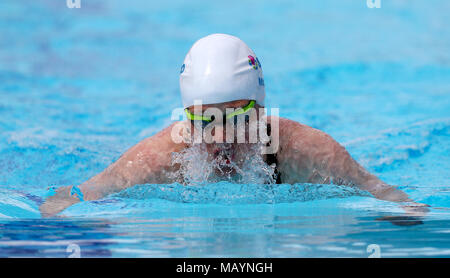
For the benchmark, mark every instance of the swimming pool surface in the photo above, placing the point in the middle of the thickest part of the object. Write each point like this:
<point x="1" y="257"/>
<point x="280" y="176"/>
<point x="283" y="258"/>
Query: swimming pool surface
<point x="78" y="87"/>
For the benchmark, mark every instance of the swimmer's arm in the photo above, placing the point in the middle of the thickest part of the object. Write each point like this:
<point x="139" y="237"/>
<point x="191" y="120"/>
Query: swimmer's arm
<point x="146" y="162"/>
<point x="310" y="155"/>
<point x="149" y="161"/>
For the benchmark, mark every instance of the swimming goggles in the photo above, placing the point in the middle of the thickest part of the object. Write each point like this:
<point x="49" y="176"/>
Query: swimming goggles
<point x="208" y="119"/>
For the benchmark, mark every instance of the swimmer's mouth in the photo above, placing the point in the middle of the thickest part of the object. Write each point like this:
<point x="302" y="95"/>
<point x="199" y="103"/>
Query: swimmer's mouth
<point x="224" y="166"/>
<point x="225" y="155"/>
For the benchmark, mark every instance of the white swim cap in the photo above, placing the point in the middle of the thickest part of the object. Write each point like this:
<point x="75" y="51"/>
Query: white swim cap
<point x="221" y="68"/>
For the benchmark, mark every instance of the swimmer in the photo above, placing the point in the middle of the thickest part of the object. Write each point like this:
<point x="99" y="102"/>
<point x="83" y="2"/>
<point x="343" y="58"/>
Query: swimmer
<point x="222" y="90"/>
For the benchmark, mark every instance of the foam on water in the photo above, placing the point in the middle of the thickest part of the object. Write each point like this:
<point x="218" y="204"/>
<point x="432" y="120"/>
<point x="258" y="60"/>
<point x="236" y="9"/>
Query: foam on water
<point x="231" y="193"/>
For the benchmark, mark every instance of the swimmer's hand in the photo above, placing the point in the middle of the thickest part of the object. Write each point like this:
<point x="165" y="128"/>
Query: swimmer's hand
<point x="416" y="209"/>
<point x="58" y="202"/>
<point x="414" y="213"/>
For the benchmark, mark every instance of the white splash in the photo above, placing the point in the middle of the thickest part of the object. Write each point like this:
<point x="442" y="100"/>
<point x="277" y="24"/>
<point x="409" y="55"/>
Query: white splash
<point x="236" y="163"/>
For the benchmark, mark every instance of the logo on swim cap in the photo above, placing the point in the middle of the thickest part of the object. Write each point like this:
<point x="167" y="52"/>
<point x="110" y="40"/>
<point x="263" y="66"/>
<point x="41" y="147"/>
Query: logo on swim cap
<point x="259" y="64"/>
<point x="182" y="68"/>
<point x="252" y="62"/>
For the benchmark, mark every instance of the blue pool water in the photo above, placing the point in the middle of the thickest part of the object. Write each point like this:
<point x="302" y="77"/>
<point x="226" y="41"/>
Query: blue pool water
<point x="78" y="87"/>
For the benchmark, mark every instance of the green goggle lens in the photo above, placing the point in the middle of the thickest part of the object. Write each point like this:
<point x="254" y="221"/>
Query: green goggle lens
<point x="206" y="120"/>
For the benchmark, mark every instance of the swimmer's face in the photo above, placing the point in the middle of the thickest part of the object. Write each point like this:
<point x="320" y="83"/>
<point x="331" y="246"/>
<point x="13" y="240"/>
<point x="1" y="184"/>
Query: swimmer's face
<point x="218" y="128"/>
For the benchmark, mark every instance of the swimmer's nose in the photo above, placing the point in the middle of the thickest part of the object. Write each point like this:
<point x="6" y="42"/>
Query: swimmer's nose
<point x="219" y="134"/>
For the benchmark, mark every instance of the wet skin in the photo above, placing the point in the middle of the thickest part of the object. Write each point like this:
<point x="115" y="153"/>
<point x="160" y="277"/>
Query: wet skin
<point x="305" y="155"/>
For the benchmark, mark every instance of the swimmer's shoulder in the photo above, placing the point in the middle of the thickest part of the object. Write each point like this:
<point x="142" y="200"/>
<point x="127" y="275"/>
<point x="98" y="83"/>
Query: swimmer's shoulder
<point x="164" y="139"/>
<point x="295" y="135"/>
<point x="288" y="127"/>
